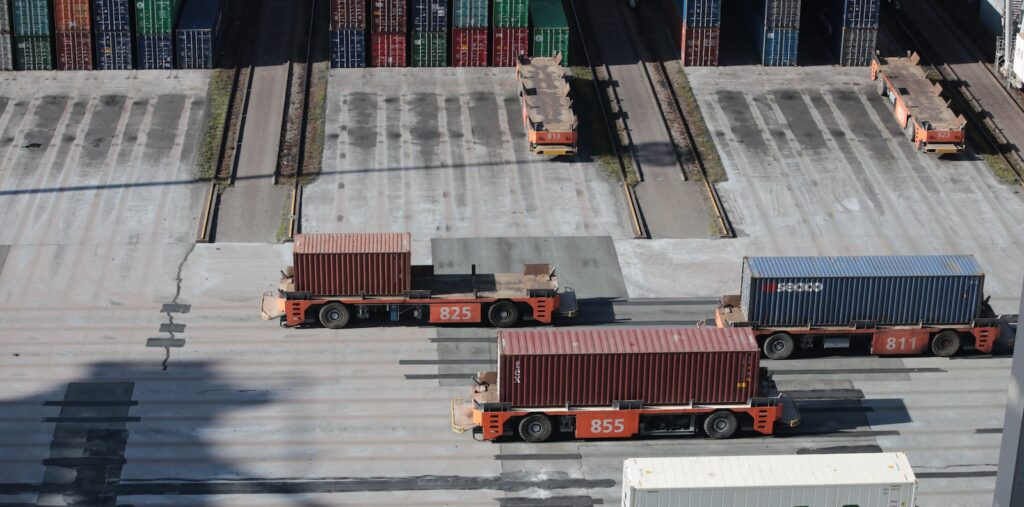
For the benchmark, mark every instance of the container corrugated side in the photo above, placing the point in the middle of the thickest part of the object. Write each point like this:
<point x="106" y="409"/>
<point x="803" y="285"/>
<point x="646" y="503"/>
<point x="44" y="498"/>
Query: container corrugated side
<point x="71" y="16"/>
<point x="6" y="52"/>
<point x="777" y="47"/>
<point x="549" y="29"/>
<point x="113" y="50"/>
<point x="508" y="44"/>
<point x="429" y="49"/>
<point x="353" y="264"/>
<point x="30" y="18"/>
<point x="348" y="14"/>
<point x="470" y="13"/>
<point x="155" y="51"/>
<point x="196" y="35"/>
<point x="74" y="50"/>
<point x="779" y="13"/>
<point x="389" y="16"/>
<point x="348" y="48"/>
<point x="469" y="47"/>
<point x="700" y="13"/>
<point x="156" y="17"/>
<point x="389" y="50"/>
<point x="33" y="52"/>
<point x="858" y="13"/>
<point x="836" y="291"/>
<point x="856" y="46"/>
<point x="700" y="46"/>
<point x="595" y="367"/>
<point x="430" y="15"/>
<point x="112" y="15"/>
<point x="511" y="14"/>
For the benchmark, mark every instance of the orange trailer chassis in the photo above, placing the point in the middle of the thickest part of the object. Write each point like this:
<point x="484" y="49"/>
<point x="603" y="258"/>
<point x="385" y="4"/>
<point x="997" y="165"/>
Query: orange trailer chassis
<point x="906" y="77"/>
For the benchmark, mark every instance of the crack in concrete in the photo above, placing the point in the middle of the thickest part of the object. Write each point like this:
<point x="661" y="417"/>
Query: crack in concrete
<point x="177" y="294"/>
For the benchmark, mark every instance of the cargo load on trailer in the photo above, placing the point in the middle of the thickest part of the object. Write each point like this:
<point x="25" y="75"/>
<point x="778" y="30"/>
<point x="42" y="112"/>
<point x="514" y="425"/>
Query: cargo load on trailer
<point x="917" y="105"/>
<point x="548" y="117"/>
<point x="894" y="304"/>
<point x="621" y="382"/>
<point x="811" y="480"/>
<point x="335" y="277"/>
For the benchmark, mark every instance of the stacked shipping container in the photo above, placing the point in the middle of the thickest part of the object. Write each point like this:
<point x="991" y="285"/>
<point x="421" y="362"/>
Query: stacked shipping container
<point x="154" y="22"/>
<point x="469" y="33"/>
<point x="697" y="25"/>
<point x="348" y="33"/>
<point x="855" y="29"/>
<point x="6" y="49"/>
<point x="32" y="49"/>
<point x="112" y="31"/>
<point x="549" y="29"/>
<point x="776" y="28"/>
<point x="389" y="24"/>
<point x="196" y="34"/>
<point x="511" y="31"/>
<point x="72" y="34"/>
<point x="429" y="33"/>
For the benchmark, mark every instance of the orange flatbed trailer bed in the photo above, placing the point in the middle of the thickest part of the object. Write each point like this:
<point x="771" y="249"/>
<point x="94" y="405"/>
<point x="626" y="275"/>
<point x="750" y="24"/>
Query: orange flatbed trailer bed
<point x="544" y="94"/>
<point x="918" y="105"/>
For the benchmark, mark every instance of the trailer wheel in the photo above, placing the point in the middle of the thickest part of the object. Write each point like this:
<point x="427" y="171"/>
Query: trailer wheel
<point x="334" y="316"/>
<point x="721" y="424"/>
<point x="779" y="346"/>
<point x="946" y="344"/>
<point x="503" y="314"/>
<point x="535" y="428"/>
<point x="882" y="89"/>
<point x="910" y="129"/>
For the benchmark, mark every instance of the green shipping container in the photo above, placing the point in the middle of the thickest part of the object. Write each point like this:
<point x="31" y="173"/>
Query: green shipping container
<point x="429" y="49"/>
<point x="32" y="52"/>
<point x="549" y="29"/>
<point x="31" y="17"/>
<point x="156" y="17"/>
<point x="511" y="13"/>
<point x="469" y="13"/>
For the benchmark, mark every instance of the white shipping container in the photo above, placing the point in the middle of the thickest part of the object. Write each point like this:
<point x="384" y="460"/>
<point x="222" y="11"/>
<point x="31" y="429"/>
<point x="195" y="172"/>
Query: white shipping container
<point x="812" y="480"/>
<point x="1018" y="60"/>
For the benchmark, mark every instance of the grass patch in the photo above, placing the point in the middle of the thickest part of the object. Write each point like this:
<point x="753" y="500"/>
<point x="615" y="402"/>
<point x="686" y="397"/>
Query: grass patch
<point x="316" y="127"/>
<point x="592" y="121"/>
<point x="713" y="167"/>
<point x="218" y="97"/>
<point x="282" y="228"/>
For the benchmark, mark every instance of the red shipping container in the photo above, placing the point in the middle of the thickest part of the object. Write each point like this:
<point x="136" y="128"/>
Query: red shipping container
<point x="389" y="16"/>
<point x="348" y="14"/>
<point x="353" y="264"/>
<point x="700" y="46"/>
<point x="74" y="51"/>
<point x="389" y="50"/>
<point x="595" y="367"/>
<point x="509" y="43"/>
<point x="469" y="47"/>
<point x="71" y="16"/>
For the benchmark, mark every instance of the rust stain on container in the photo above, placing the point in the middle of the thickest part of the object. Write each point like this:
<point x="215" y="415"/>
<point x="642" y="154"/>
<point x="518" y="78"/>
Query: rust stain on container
<point x="353" y="264"/>
<point x="660" y="366"/>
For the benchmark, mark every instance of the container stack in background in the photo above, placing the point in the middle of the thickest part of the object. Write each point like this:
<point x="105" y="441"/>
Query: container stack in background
<point x="389" y="24"/>
<point x="154" y="25"/>
<point x="700" y="31"/>
<point x="348" y="34"/>
<point x="196" y="34"/>
<point x="112" y="33"/>
<point x="511" y="32"/>
<point x="775" y="25"/>
<point x="32" y="49"/>
<point x="549" y="29"/>
<point x="429" y="33"/>
<point x="6" y="49"/>
<point x="72" y="34"/>
<point x="469" y="33"/>
<point x="855" y="29"/>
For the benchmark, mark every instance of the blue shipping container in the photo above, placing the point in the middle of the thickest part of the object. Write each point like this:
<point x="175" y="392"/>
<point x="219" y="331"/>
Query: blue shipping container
<point x="858" y="13"/>
<point x="111" y="15"/>
<point x="113" y="50"/>
<point x="155" y="51"/>
<point x="777" y="47"/>
<point x="348" y="48"/>
<point x="700" y="13"/>
<point x="779" y="13"/>
<point x="836" y="291"/>
<point x="196" y="34"/>
<point x="430" y="15"/>
<point x="991" y="14"/>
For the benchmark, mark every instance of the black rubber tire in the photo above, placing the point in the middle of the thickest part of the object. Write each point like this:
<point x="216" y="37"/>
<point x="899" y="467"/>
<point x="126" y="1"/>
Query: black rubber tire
<point x="503" y="314"/>
<point x="535" y="428"/>
<point x="779" y="346"/>
<point x="882" y="89"/>
<point x="909" y="129"/>
<point x="946" y="344"/>
<point x="334" y="316"/>
<point x="721" y="424"/>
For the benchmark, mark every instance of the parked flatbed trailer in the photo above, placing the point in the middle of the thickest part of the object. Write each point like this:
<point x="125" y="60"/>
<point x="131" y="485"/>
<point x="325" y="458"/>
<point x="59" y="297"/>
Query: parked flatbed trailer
<point x="337" y="277"/>
<point x="918" y="105"/>
<point x="898" y="305"/>
<point x="623" y="382"/>
<point x="544" y="92"/>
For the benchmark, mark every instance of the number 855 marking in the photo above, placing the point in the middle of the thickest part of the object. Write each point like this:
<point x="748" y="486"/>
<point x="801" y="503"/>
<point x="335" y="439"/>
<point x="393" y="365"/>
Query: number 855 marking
<point x="607" y="426"/>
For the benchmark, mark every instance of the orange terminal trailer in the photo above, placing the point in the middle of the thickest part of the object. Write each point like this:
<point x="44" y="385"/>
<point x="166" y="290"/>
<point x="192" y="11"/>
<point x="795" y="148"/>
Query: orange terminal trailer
<point x="544" y="93"/>
<point x="618" y="382"/>
<point x="918" y="105"/>
<point x="338" y="277"/>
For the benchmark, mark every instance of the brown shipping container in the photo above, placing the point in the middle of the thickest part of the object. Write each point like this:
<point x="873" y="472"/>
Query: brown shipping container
<point x="700" y="46"/>
<point x="71" y="16"/>
<point x="469" y="47"/>
<point x="389" y="16"/>
<point x="353" y="264"/>
<point x="595" y="367"/>
<point x="509" y="43"/>
<point x="74" y="51"/>
<point x="348" y="14"/>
